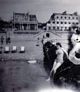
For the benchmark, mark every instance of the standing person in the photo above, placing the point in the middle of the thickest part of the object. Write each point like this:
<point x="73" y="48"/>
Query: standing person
<point x="47" y="50"/>
<point x="8" y="40"/>
<point x="59" y="59"/>
<point x="2" y="39"/>
<point x="46" y="39"/>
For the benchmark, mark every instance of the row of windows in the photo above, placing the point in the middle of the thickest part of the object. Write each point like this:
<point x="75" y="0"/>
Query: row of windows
<point x="66" y="17"/>
<point x="58" y="28"/>
<point x="65" y="22"/>
<point x="20" y="18"/>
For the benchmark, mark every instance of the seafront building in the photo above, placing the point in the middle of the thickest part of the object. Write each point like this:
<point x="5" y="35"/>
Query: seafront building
<point x="62" y="21"/>
<point x="25" y="21"/>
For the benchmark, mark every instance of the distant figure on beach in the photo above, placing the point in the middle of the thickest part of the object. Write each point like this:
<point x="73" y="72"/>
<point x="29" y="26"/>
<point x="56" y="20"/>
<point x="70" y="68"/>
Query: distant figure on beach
<point x="8" y="40"/>
<point x="2" y="39"/>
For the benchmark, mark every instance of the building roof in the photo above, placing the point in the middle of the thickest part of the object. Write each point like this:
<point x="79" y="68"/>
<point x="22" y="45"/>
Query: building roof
<point x="23" y="14"/>
<point x="63" y="13"/>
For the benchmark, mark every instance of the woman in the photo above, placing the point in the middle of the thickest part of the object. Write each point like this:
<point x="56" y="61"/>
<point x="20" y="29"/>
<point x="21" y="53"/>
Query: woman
<point x="59" y="60"/>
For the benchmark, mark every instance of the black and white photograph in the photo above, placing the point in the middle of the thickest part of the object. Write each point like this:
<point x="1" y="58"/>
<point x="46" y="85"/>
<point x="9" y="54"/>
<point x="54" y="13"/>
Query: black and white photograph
<point x="39" y="45"/>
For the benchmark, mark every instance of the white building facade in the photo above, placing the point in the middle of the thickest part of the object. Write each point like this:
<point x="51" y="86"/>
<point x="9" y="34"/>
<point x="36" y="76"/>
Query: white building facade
<point x="25" y="21"/>
<point x="62" y="21"/>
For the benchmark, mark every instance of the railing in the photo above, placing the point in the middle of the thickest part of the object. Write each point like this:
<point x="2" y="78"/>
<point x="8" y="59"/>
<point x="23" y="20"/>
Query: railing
<point x="26" y="32"/>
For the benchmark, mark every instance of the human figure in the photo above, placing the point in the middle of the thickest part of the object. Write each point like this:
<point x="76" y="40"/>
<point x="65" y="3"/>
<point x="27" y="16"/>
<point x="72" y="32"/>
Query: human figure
<point x="2" y="39"/>
<point x="46" y="45"/>
<point x="48" y="53"/>
<point x="38" y="41"/>
<point x="46" y="39"/>
<point x="8" y="40"/>
<point x="59" y="59"/>
<point x="47" y="56"/>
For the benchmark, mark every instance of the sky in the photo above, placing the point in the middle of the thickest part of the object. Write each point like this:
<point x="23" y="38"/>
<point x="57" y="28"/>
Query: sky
<point x="42" y="8"/>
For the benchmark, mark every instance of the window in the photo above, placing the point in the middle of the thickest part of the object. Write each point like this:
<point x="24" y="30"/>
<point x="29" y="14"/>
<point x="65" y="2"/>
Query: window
<point x="65" y="22"/>
<point x="53" y="27"/>
<point x="73" y="23"/>
<point x="65" y="17"/>
<point x="32" y="18"/>
<point x="76" y="17"/>
<point x="72" y="17"/>
<point x="77" y="23"/>
<point x="65" y="28"/>
<point x="57" y="17"/>
<point x="69" y="22"/>
<point x="32" y="26"/>
<point x="58" y="28"/>
<point x="49" y="28"/>
<point x="57" y="22"/>
<point x="61" y="17"/>
<point x="61" y="22"/>
<point x="69" y="17"/>
<point x="49" y="22"/>
<point x="53" y="22"/>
